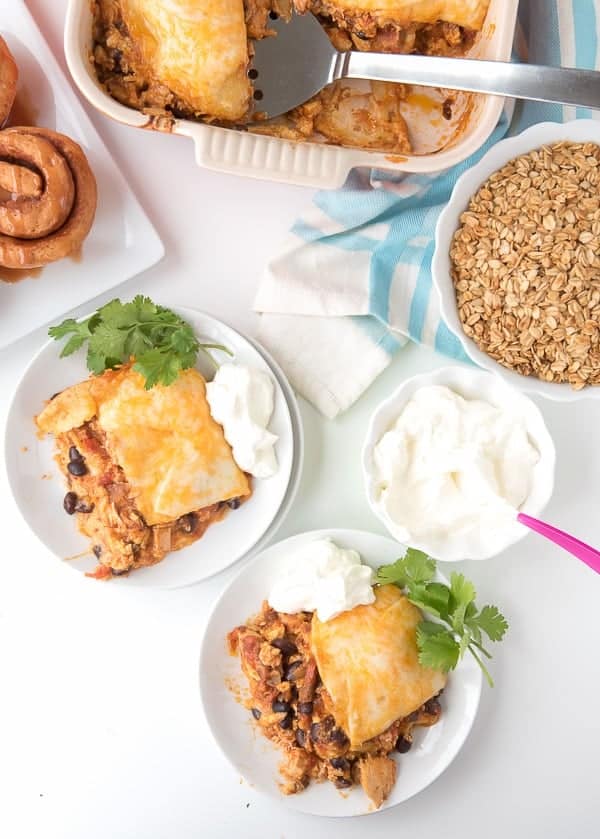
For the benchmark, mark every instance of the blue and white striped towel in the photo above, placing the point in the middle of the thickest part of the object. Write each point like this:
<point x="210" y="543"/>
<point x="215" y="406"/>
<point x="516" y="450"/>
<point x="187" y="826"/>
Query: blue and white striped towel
<point x="352" y="283"/>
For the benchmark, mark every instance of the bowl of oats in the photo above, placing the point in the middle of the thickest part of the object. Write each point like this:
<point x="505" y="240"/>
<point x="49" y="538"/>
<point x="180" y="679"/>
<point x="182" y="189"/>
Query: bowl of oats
<point x="517" y="260"/>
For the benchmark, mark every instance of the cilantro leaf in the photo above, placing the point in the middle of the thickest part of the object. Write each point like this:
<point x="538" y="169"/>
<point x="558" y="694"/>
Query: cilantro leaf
<point x="158" y="365"/>
<point x="108" y="341"/>
<point x="431" y="597"/>
<point x="76" y="340"/>
<point x="414" y="567"/>
<point x="462" y="593"/>
<point x="437" y="647"/>
<point x="393" y="574"/>
<point x="161" y="343"/>
<point x="96" y="362"/>
<point x="441" y="645"/>
<point x="492" y="622"/>
<point x="65" y="328"/>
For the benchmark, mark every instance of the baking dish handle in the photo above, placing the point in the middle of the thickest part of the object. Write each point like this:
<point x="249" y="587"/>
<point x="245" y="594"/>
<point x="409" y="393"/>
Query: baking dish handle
<point x="237" y="152"/>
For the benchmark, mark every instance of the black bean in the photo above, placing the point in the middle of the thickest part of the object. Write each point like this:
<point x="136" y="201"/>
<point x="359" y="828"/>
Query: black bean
<point x="83" y="507"/>
<point x="363" y="36"/>
<point x="117" y="572"/>
<point x="432" y="706"/>
<point x="70" y="503"/>
<point x="343" y="783"/>
<point x="403" y="745"/>
<point x="74" y="454"/>
<point x="286" y="646"/>
<point x="287" y="721"/>
<point x="292" y="670"/>
<point x="315" y="730"/>
<point x="412" y="717"/>
<point x="279" y="706"/>
<point x="233" y="503"/>
<point x="339" y="763"/>
<point x="97" y="549"/>
<point x="256" y="713"/>
<point x="338" y="736"/>
<point x="77" y="468"/>
<point x="188" y="522"/>
<point x="300" y="737"/>
<point x="305" y="708"/>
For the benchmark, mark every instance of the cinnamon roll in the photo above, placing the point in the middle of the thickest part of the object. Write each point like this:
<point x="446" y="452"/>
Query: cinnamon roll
<point x="47" y="197"/>
<point x="9" y="75"/>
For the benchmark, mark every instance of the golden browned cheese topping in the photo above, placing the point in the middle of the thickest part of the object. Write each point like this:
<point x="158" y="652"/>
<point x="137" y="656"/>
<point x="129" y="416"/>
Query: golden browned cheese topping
<point x="368" y="661"/>
<point x="197" y="49"/>
<point x="173" y="454"/>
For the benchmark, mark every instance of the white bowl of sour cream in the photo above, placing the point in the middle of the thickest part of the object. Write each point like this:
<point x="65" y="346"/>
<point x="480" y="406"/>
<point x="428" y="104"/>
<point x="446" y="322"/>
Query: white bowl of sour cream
<point x="451" y="457"/>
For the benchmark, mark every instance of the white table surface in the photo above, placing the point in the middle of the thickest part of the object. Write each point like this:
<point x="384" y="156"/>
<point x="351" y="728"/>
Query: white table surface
<point x="101" y="731"/>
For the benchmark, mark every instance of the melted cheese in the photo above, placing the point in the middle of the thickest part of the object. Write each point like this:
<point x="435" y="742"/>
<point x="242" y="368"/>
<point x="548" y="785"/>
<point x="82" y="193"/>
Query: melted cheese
<point x="367" y="659"/>
<point x="468" y="13"/>
<point x="174" y="455"/>
<point x="197" y="48"/>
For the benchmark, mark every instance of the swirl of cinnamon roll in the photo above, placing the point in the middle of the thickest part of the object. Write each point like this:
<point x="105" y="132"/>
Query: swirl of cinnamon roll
<point x="9" y="75"/>
<point x="47" y="197"/>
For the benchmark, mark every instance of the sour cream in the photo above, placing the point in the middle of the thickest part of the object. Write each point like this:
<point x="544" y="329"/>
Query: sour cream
<point x="322" y="577"/>
<point x="451" y="473"/>
<point x="241" y="400"/>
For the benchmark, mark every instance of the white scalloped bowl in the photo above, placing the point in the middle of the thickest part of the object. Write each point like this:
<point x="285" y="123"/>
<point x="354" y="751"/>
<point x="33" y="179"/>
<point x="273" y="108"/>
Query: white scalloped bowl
<point x="467" y="185"/>
<point x="471" y="384"/>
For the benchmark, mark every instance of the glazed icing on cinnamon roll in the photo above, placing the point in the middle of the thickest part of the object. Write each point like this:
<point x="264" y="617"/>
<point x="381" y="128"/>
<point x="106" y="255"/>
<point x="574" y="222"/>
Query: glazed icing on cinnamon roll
<point x="47" y="197"/>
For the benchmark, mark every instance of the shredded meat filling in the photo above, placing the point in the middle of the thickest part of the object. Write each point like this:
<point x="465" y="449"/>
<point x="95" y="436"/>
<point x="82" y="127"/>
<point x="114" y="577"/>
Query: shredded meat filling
<point x="368" y="31"/>
<point x="293" y="710"/>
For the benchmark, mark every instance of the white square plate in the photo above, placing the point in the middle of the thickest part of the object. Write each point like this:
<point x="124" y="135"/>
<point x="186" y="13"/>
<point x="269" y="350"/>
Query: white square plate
<point x="122" y="241"/>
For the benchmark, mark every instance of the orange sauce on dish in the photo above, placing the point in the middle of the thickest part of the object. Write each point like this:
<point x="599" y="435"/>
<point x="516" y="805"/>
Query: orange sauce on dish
<point x="396" y="158"/>
<point x="77" y="255"/>
<point x="422" y="101"/>
<point x="15" y="275"/>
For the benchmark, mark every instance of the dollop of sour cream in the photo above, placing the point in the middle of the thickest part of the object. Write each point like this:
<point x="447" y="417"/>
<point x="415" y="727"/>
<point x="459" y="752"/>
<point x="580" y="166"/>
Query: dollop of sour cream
<point x="241" y="400"/>
<point x="451" y="473"/>
<point x="322" y="577"/>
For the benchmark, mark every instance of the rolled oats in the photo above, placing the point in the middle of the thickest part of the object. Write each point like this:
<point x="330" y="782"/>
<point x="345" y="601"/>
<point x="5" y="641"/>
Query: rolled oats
<point x="526" y="265"/>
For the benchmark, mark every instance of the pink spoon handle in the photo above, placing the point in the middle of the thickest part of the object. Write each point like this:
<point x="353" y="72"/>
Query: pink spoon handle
<point x="574" y="546"/>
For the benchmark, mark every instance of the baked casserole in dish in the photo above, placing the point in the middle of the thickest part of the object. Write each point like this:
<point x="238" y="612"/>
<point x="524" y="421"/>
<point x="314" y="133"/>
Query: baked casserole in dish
<point x="185" y="66"/>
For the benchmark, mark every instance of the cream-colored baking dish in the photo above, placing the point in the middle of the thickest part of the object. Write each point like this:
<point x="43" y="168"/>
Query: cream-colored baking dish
<point x="438" y="143"/>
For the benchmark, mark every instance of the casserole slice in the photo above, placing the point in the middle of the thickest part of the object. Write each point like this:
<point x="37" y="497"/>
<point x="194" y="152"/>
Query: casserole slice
<point x="192" y="51"/>
<point x="148" y="470"/>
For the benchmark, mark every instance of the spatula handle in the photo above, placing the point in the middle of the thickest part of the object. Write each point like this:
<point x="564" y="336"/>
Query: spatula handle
<point x="521" y="81"/>
<point x="574" y="546"/>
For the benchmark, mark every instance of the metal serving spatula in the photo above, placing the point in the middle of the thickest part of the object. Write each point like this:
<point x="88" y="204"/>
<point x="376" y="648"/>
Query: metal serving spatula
<point x="299" y="61"/>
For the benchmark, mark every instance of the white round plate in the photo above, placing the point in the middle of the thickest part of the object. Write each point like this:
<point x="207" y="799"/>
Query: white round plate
<point x="39" y="488"/>
<point x="255" y="757"/>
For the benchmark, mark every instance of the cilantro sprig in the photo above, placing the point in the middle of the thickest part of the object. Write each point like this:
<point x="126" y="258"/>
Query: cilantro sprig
<point x="459" y="624"/>
<point x="161" y="342"/>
